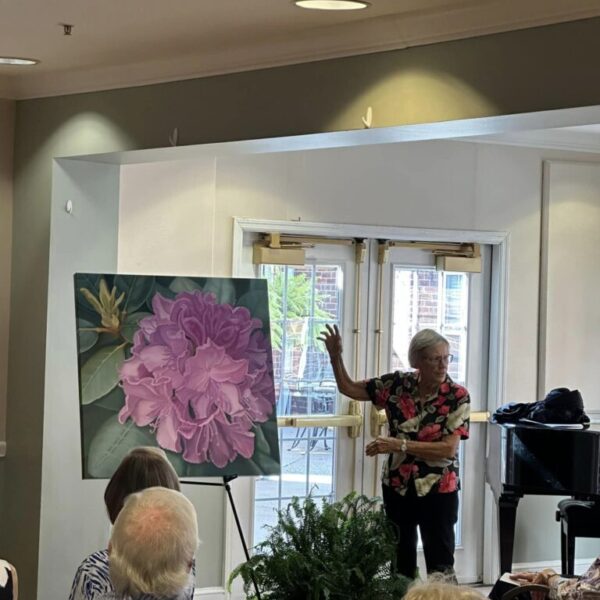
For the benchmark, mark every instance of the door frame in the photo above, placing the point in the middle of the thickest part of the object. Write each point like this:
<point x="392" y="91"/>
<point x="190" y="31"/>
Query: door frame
<point x="498" y="240"/>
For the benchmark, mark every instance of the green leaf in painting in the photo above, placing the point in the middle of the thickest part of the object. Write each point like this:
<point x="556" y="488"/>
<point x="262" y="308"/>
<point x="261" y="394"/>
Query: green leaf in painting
<point x="100" y="374"/>
<point x="266" y="463"/>
<point x="184" y="284"/>
<point x="86" y="337"/>
<point x="137" y="289"/>
<point x="261" y="444"/>
<point x="178" y="463"/>
<point x="164" y="291"/>
<point x="270" y="433"/>
<point x="258" y="305"/>
<point x="222" y="288"/>
<point x="114" y="400"/>
<point x="112" y="442"/>
<point x="131" y="324"/>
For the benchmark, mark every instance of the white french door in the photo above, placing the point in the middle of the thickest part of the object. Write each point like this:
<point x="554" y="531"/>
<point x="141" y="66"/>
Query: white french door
<point x="378" y="308"/>
<point x="318" y="456"/>
<point x="415" y="296"/>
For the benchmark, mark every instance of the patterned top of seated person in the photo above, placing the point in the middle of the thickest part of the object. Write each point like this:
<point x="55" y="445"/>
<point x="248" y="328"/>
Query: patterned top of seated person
<point x="585" y="587"/>
<point x="428" y="419"/>
<point x="7" y="584"/>
<point x="92" y="581"/>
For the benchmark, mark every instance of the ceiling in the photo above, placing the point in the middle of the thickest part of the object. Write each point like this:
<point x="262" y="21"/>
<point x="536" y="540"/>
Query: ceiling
<point x="119" y="43"/>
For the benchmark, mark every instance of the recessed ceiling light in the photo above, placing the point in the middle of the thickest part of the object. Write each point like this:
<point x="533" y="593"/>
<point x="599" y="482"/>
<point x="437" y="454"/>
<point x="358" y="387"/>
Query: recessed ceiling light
<point x="332" y="4"/>
<point x="14" y="60"/>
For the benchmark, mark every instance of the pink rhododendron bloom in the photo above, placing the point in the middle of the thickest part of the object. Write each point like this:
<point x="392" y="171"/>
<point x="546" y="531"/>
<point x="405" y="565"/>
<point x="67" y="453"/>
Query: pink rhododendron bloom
<point x="200" y="375"/>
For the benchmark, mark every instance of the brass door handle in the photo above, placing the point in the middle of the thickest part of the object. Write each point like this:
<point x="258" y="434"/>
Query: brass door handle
<point x="379" y="418"/>
<point x="353" y="420"/>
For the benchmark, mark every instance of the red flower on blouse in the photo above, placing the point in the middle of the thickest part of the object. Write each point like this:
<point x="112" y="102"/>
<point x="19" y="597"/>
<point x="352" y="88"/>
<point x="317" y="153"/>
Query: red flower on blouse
<point x="443" y="410"/>
<point x="406" y="470"/>
<point x="444" y="388"/>
<point x="440" y="400"/>
<point x="448" y="482"/>
<point x="430" y="433"/>
<point x="407" y="406"/>
<point x="462" y="431"/>
<point x="382" y="396"/>
<point x="460" y="392"/>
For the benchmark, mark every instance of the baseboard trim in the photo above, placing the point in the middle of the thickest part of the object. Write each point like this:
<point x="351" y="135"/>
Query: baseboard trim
<point x="212" y="593"/>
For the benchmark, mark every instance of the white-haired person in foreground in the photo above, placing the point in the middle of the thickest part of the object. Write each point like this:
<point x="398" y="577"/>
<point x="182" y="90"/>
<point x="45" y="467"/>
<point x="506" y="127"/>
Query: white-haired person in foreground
<point x="441" y="588"/>
<point x="152" y="545"/>
<point x="151" y="549"/>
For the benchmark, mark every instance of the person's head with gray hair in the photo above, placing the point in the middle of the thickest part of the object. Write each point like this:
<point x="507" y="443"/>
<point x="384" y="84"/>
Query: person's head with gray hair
<point x="421" y="343"/>
<point x="153" y="543"/>
<point x="438" y="589"/>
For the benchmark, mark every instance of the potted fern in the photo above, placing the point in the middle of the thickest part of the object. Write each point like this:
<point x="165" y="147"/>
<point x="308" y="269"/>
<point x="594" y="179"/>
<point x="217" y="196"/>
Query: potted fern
<point x="341" y="550"/>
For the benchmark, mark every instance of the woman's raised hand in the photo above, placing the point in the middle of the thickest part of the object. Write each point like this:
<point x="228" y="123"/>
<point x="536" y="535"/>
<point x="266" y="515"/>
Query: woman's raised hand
<point x="332" y="339"/>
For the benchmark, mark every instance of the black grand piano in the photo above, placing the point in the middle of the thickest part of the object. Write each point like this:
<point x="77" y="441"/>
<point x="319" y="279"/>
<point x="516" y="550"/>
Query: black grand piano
<point x="532" y="460"/>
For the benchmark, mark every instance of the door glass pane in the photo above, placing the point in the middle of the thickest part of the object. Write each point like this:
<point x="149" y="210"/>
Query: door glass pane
<point x="301" y="300"/>
<point x="425" y="298"/>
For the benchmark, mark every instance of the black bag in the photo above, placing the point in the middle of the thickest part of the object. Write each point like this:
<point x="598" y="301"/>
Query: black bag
<point x="560" y="405"/>
<point x="511" y="412"/>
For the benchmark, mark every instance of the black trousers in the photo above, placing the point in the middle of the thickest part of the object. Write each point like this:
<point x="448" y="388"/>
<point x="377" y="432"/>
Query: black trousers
<point x="435" y="515"/>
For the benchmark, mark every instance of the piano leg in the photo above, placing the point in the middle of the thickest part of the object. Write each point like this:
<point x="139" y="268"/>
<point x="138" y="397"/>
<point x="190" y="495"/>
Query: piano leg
<point x="507" y="515"/>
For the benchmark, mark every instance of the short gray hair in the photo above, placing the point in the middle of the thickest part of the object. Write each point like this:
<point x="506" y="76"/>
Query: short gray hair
<point x="153" y="543"/>
<point x="426" y="338"/>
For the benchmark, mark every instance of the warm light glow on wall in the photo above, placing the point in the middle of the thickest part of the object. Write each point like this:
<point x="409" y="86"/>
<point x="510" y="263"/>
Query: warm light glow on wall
<point x="332" y="4"/>
<point x="15" y="60"/>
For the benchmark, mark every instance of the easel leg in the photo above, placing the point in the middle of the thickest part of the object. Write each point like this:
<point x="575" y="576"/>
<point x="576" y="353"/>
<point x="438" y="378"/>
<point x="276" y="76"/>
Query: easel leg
<point x="226" y="481"/>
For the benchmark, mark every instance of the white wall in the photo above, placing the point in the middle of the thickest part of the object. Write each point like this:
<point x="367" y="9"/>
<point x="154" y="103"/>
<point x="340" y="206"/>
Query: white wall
<point x="73" y="520"/>
<point x="573" y="285"/>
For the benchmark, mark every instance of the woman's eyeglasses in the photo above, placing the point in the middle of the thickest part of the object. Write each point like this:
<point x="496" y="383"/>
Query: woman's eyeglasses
<point x="436" y="360"/>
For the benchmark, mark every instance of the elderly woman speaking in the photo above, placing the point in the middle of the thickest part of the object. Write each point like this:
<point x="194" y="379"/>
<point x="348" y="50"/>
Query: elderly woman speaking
<point x="428" y="414"/>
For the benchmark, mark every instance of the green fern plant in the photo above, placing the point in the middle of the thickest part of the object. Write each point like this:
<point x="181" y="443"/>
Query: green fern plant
<point x="342" y="550"/>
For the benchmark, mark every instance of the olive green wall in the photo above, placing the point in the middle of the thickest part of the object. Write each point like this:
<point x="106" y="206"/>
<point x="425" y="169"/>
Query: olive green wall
<point x="7" y="114"/>
<point x="524" y="71"/>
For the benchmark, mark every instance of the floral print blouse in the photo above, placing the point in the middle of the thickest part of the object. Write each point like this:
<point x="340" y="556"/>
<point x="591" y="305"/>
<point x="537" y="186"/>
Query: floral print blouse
<point x="444" y="413"/>
<point x="580" y="588"/>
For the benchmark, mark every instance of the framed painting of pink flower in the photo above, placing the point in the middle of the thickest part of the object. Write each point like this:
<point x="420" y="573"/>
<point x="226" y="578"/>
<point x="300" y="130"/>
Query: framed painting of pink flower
<point x="183" y="363"/>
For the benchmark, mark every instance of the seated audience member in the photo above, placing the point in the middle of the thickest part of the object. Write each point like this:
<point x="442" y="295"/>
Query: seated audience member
<point x="142" y="468"/>
<point x="441" y="588"/>
<point x="152" y="546"/>
<point x="575" y="588"/>
<point x="8" y="581"/>
<point x="150" y="553"/>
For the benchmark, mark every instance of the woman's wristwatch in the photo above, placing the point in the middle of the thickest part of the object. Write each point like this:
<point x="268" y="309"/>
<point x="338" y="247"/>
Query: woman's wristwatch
<point x="403" y="445"/>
